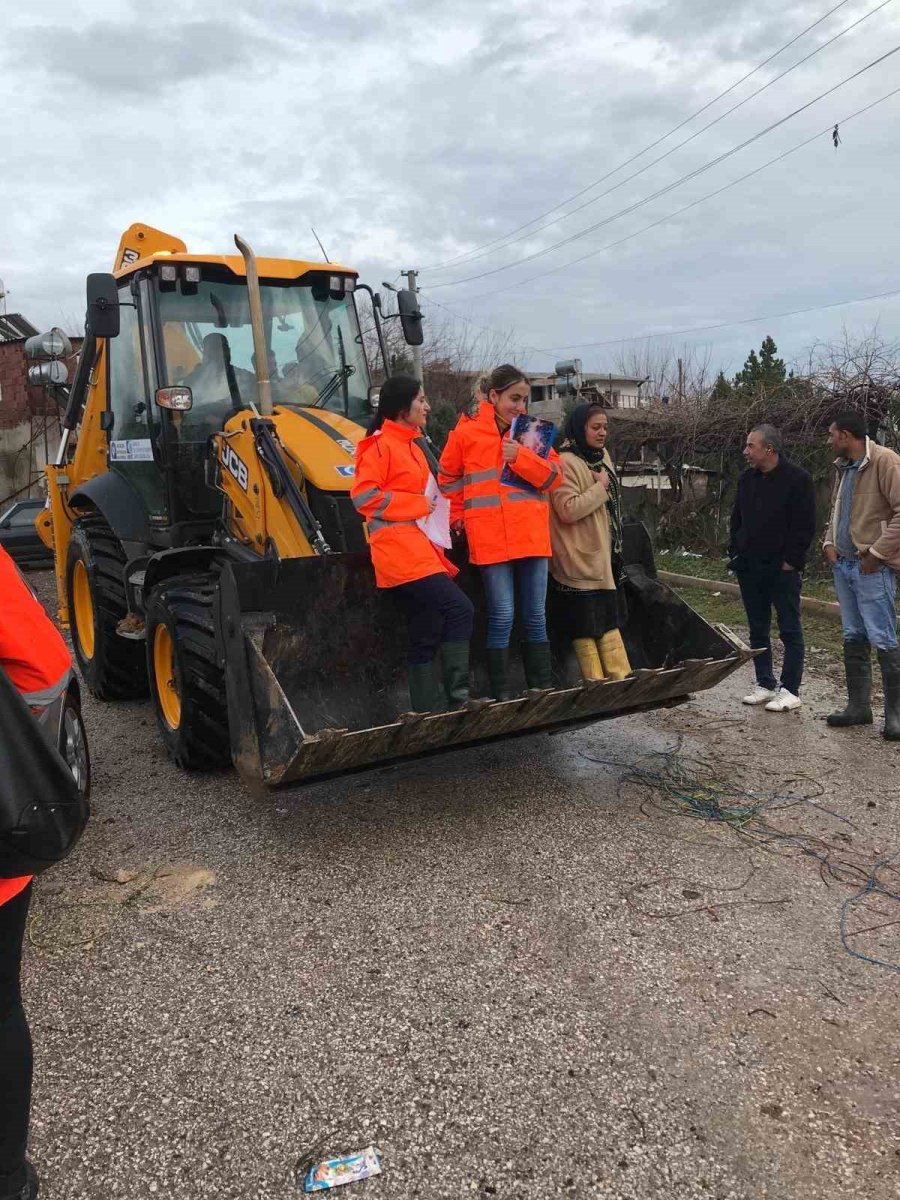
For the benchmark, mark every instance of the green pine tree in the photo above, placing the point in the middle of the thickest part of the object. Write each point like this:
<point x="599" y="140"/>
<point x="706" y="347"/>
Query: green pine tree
<point x="763" y="372"/>
<point x="773" y="369"/>
<point x="722" y="389"/>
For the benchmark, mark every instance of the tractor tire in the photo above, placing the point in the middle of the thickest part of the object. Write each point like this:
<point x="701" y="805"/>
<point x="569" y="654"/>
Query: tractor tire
<point x="113" y="668"/>
<point x="187" y="683"/>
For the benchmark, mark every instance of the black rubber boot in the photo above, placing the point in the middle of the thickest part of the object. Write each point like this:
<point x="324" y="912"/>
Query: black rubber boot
<point x="890" y="675"/>
<point x="22" y="1186"/>
<point x="537" y="666"/>
<point x="498" y="673"/>
<point x="858" y="668"/>
<point x="423" y="693"/>
<point x="455" y="661"/>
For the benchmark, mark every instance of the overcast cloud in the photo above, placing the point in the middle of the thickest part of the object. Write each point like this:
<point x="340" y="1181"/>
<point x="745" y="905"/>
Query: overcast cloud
<point x="412" y="133"/>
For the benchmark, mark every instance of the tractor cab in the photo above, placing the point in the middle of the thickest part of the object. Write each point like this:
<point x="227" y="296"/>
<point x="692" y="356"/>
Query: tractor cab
<point x="184" y="363"/>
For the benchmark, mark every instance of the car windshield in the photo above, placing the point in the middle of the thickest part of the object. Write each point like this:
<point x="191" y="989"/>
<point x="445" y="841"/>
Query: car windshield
<point x="20" y="515"/>
<point x="314" y="347"/>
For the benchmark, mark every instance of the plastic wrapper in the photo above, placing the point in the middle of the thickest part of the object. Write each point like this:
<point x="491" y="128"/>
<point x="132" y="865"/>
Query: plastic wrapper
<point x="350" y="1168"/>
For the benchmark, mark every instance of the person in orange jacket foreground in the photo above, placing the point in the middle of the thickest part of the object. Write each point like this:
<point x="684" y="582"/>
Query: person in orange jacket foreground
<point x="392" y="473"/>
<point x="507" y="528"/>
<point x="35" y="657"/>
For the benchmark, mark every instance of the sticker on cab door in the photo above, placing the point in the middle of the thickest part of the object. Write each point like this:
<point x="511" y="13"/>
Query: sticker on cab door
<point x="131" y="450"/>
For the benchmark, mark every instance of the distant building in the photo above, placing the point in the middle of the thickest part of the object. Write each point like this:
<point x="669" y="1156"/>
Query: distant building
<point x="549" y="393"/>
<point x="29" y="418"/>
<point x="14" y="326"/>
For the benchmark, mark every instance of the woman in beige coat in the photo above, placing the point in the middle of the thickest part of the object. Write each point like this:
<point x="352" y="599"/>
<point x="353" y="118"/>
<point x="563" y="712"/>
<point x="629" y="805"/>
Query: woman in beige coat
<point x="586" y="536"/>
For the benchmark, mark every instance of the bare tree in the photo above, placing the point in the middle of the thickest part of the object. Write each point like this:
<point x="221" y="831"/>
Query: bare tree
<point x="657" y="362"/>
<point x="456" y="354"/>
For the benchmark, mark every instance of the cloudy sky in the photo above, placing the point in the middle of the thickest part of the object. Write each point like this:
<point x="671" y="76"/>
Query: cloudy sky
<point x="422" y="134"/>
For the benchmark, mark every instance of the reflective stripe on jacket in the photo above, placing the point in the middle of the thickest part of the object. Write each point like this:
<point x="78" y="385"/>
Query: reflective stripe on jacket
<point x="389" y="491"/>
<point x="502" y="522"/>
<point x="34" y="656"/>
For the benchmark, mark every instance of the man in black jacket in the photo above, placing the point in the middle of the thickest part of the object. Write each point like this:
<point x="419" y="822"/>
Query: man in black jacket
<point x="773" y="523"/>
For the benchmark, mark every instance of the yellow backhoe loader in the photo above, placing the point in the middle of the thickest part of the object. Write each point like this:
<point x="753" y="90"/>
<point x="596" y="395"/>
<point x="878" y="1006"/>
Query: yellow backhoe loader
<point x="206" y="548"/>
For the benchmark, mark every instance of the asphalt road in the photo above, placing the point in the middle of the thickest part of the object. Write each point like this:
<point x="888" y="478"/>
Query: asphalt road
<point x="514" y="975"/>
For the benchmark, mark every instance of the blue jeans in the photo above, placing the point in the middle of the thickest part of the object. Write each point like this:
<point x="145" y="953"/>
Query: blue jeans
<point x="499" y="581"/>
<point x="764" y="587"/>
<point x="868" y="604"/>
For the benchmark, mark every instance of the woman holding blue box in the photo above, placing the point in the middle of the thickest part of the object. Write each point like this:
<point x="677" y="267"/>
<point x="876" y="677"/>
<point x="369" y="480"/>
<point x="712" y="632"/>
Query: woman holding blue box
<point x="506" y="521"/>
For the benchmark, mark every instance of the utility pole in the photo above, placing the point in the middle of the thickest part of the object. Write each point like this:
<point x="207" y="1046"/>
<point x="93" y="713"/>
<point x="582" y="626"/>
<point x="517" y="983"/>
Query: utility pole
<point x="416" y="350"/>
<point x="680" y="382"/>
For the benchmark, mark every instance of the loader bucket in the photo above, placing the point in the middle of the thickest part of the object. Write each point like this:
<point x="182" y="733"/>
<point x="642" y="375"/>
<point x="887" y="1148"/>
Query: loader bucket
<point x="315" y="667"/>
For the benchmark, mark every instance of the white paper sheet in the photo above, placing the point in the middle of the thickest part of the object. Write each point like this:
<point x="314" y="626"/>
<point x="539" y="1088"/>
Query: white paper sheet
<point x="436" y="526"/>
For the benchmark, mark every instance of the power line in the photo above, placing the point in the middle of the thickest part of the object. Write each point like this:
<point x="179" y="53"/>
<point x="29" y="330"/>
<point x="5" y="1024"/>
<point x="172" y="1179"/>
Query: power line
<point x="685" y="208"/>
<point x="646" y="149"/>
<point x="475" y="325"/>
<point x="510" y="240"/>
<point x="670" y="187"/>
<point x="795" y="312"/>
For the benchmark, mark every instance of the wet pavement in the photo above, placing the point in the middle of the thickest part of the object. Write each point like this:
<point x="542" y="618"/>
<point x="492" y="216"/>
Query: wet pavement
<point x="515" y="973"/>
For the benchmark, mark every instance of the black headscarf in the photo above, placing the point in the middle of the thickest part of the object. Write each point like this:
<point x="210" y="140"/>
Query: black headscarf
<point x="573" y="438"/>
<point x="574" y="442"/>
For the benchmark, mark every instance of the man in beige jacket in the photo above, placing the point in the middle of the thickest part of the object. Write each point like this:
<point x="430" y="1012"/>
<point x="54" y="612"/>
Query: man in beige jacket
<point x="862" y="544"/>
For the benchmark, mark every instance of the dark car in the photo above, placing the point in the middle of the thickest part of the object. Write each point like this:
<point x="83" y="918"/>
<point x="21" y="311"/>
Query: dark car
<point x="18" y="536"/>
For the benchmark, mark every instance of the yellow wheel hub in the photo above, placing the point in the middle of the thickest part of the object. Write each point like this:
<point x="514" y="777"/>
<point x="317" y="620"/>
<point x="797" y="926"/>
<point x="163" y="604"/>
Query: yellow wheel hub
<point x="84" y="609"/>
<point x="164" y="674"/>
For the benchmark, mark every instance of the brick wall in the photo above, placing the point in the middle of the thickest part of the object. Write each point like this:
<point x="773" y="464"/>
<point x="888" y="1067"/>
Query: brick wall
<point x="17" y="399"/>
<point x="24" y="411"/>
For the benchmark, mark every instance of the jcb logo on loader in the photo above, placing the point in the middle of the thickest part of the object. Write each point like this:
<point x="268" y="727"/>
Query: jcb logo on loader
<point x="235" y="466"/>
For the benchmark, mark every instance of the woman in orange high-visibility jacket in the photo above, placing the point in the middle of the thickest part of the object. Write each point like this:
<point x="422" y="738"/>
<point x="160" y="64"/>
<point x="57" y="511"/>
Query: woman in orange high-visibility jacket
<point x="35" y="657"/>
<point x="507" y="528"/>
<point x="392" y="473"/>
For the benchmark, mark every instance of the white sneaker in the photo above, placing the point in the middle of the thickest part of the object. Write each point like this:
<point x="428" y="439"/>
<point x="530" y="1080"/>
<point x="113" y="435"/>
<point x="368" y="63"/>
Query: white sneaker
<point x="760" y="695"/>
<point x="784" y="701"/>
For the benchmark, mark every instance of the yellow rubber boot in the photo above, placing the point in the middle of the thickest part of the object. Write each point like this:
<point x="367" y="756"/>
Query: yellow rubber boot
<point x="588" y="658"/>
<point x="614" y="655"/>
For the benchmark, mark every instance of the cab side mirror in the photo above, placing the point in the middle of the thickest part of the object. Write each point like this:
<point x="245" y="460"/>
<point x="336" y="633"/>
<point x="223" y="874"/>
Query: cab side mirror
<point x="410" y="317"/>
<point x="103" y="305"/>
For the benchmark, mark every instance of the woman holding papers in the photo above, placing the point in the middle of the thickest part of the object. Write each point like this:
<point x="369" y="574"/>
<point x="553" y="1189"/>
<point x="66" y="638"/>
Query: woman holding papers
<point x="586" y="531"/>
<point x="506" y="523"/>
<point x="407" y="523"/>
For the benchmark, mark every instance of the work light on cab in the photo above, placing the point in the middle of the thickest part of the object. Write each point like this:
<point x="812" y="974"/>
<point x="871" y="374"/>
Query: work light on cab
<point x="178" y="399"/>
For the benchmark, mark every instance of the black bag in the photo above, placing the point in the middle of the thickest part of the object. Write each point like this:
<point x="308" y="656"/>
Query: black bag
<point x="42" y="812"/>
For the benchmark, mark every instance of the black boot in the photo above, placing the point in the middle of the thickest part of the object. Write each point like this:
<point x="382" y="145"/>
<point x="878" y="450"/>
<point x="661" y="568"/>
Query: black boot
<point x="537" y="666"/>
<point x="455" y="660"/>
<point x="498" y="673"/>
<point x="890" y="675"/>
<point x="858" y="667"/>
<point x="22" y="1186"/>
<point x="423" y="693"/>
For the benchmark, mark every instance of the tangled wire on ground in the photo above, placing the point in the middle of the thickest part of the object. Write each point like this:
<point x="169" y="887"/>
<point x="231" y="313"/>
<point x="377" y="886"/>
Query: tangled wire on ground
<point x="680" y="786"/>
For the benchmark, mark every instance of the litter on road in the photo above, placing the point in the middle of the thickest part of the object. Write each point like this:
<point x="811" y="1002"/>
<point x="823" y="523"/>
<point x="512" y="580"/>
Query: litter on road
<point x="352" y="1168"/>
